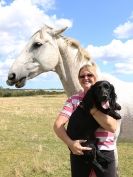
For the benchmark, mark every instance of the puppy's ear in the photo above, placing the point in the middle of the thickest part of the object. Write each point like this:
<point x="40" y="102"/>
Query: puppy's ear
<point x="113" y="95"/>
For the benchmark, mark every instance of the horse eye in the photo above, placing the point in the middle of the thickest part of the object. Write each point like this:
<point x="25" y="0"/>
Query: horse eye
<point x="36" y="45"/>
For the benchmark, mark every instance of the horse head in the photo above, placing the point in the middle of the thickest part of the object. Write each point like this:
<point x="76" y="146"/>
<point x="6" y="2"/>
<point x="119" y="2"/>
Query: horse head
<point x="41" y="54"/>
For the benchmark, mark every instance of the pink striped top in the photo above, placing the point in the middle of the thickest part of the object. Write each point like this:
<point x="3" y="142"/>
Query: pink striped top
<point x="106" y="138"/>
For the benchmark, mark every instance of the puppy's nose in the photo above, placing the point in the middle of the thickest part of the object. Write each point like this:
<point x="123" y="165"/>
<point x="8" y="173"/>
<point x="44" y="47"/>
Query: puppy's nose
<point x="104" y="97"/>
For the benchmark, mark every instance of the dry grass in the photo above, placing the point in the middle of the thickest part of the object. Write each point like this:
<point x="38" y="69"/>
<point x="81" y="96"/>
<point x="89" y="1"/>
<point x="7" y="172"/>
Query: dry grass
<point x="28" y="145"/>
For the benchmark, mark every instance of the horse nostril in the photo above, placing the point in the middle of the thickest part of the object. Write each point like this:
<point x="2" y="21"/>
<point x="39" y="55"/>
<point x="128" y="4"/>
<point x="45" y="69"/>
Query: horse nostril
<point x="11" y="76"/>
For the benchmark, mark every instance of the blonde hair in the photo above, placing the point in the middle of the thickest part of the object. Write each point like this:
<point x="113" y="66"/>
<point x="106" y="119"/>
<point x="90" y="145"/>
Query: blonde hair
<point x="91" y="69"/>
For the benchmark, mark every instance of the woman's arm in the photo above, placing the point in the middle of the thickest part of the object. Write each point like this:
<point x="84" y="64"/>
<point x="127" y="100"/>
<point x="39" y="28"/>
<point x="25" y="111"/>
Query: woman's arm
<point x="107" y="122"/>
<point x="59" y="128"/>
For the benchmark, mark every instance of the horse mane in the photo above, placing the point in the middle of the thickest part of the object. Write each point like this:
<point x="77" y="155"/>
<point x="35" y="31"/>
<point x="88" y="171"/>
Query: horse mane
<point x="82" y="53"/>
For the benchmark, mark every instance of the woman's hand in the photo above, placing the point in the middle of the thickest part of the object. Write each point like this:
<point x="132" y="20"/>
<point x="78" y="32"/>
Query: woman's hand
<point x="74" y="145"/>
<point x="77" y="148"/>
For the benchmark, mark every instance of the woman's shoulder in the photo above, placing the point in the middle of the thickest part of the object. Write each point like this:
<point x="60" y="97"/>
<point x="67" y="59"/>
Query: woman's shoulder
<point x="75" y="99"/>
<point x="78" y="95"/>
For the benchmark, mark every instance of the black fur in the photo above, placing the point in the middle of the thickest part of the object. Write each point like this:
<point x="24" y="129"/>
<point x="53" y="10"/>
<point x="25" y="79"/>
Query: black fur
<point x="83" y="126"/>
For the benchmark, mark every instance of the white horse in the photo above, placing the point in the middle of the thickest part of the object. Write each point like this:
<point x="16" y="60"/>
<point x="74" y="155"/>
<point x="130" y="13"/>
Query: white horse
<point x="48" y="50"/>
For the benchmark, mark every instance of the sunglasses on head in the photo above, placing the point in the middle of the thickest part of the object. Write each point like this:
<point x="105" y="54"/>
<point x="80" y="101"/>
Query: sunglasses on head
<point x="86" y="75"/>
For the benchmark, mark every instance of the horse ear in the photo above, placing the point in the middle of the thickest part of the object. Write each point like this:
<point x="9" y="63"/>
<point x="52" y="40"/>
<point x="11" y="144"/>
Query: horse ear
<point x="57" y="32"/>
<point x="48" y="27"/>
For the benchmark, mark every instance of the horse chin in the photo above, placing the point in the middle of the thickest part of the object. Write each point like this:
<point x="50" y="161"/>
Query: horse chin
<point x="20" y="83"/>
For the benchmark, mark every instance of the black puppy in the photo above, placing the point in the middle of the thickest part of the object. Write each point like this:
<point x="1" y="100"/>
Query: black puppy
<point x="82" y="125"/>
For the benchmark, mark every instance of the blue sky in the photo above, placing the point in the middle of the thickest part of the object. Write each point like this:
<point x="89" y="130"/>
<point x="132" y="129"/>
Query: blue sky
<point x="104" y="28"/>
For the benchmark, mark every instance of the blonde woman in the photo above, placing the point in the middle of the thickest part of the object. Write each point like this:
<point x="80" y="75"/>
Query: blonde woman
<point x="87" y="77"/>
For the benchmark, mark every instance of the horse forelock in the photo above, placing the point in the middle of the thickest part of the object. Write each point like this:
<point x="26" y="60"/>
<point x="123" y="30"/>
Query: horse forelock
<point x="35" y="33"/>
<point x="40" y="31"/>
<point x="41" y="34"/>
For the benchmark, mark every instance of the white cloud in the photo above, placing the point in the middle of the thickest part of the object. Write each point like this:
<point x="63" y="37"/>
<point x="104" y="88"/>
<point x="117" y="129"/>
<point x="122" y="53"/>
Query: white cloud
<point x="125" y="31"/>
<point x="126" y="68"/>
<point x="118" y="52"/>
<point x="25" y="17"/>
<point x="4" y="68"/>
<point x="45" y="4"/>
<point x="116" y="48"/>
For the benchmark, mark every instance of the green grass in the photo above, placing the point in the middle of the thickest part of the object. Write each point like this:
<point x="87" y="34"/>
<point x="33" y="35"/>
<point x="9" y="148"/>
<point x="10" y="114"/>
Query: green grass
<point x="30" y="148"/>
<point x="125" y="150"/>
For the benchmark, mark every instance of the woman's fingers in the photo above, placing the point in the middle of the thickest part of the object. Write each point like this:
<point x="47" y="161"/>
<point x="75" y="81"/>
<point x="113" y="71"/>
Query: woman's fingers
<point x="77" y="147"/>
<point x="82" y="141"/>
<point x="84" y="148"/>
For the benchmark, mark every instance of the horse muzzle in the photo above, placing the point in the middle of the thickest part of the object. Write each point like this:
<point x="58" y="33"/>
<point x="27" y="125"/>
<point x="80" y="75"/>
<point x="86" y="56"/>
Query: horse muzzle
<point x="17" y="82"/>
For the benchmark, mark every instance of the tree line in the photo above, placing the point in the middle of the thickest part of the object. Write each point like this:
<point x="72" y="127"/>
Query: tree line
<point x="28" y="92"/>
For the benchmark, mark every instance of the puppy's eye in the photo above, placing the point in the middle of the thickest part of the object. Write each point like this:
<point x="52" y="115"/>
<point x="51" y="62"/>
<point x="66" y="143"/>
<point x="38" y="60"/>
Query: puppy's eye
<point x="106" y="86"/>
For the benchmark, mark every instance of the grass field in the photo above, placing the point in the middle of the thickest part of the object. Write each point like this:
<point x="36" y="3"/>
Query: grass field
<point x="28" y="145"/>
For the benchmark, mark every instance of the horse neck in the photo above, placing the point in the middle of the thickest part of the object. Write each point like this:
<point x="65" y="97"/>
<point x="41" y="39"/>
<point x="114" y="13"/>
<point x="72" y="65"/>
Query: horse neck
<point x="68" y="68"/>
